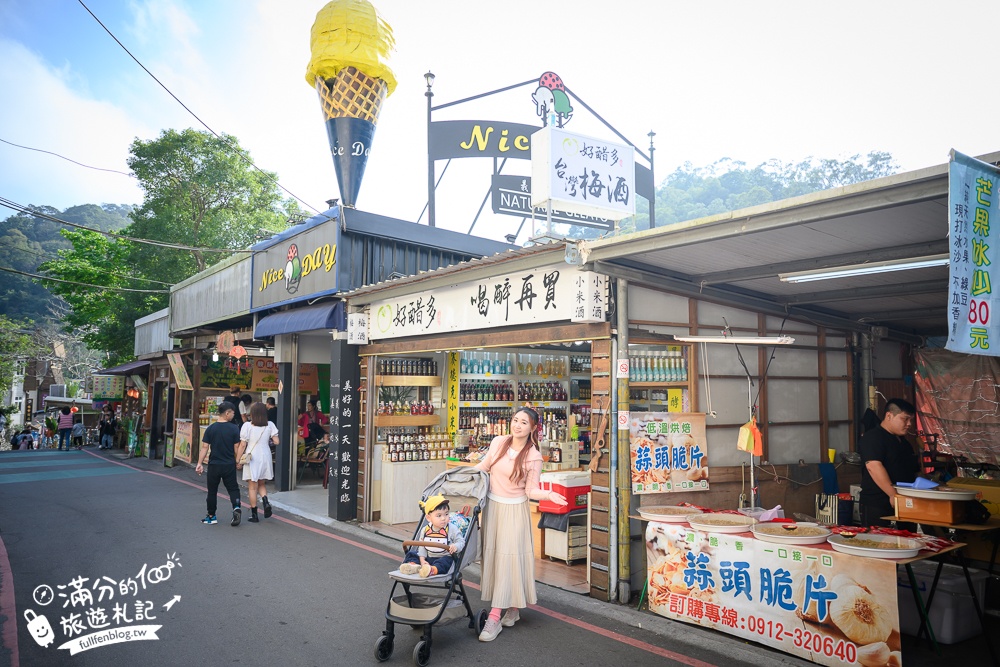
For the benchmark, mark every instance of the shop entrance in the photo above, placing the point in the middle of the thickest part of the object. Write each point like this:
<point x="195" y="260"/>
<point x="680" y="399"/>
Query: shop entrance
<point x="440" y="408"/>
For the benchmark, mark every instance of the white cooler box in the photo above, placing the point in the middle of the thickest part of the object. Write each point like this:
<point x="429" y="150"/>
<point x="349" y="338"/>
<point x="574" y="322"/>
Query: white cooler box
<point x="953" y="616"/>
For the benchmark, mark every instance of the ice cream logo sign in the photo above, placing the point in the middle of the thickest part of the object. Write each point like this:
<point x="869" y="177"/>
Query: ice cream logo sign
<point x="551" y="101"/>
<point x="297" y="267"/>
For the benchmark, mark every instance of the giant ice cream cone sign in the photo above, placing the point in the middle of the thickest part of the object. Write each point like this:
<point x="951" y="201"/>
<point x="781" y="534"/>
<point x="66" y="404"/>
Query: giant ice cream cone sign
<point x="350" y="46"/>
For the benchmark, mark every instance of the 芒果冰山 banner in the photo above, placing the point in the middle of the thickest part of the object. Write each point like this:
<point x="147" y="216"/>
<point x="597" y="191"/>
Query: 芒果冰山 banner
<point x="828" y="607"/>
<point x="972" y="201"/>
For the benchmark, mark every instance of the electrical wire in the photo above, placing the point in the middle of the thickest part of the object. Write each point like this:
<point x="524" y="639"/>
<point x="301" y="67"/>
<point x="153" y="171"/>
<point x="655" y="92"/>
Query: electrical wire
<point x="39" y="150"/>
<point x="73" y="282"/>
<point x="20" y="208"/>
<point x="242" y="155"/>
<point x="56" y="258"/>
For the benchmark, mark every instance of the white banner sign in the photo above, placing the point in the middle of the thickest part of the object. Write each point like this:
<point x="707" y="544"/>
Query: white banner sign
<point x="357" y="329"/>
<point x="546" y="294"/>
<point x="578" y="174"/>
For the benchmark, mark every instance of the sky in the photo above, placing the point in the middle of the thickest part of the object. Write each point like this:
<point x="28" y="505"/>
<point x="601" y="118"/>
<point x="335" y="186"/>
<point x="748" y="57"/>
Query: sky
<point x="750" y="81"/>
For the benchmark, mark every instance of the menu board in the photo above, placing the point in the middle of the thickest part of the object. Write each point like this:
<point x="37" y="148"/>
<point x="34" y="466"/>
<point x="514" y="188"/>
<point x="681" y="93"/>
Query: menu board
<point x="669" y="452"/>
<point x="828" y="607"/>
<point x="108" y="387"/>
<point x="182" y="439"/>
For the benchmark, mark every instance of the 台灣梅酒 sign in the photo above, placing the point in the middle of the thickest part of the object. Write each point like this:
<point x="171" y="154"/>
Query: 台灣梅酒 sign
<point x="578" y="174"/>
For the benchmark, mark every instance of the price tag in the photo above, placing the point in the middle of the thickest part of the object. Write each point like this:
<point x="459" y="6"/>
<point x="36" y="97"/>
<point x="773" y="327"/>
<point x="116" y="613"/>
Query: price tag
<point x="623" y="418"/>
<point x="622" y="369"/>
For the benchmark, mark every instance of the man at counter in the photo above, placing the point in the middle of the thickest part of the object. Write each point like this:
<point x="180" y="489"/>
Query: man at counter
<point x="888" y="458"/>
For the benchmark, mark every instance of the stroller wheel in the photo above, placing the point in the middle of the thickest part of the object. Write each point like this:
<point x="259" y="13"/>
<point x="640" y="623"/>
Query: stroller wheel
<point x="422" y="653"/>
<point x="481" y="619"/>
<point x="383" y="648"/>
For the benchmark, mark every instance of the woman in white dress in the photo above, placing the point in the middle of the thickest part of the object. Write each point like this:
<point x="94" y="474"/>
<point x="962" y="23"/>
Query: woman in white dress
<point x="254" y="438"/>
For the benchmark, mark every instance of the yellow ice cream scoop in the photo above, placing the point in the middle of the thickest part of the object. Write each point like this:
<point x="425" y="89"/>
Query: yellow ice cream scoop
<point x="350" y="33"/>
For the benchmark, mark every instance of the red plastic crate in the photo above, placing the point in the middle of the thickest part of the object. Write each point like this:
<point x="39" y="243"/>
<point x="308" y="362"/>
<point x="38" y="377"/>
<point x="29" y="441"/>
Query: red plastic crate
<point x="570" y="486"/>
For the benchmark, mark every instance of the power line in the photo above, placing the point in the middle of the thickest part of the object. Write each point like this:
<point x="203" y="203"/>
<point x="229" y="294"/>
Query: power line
<point x="236" y="149"/>
<point x="39" y="150"/>
<point x="73" y="282"/>
<point x="20" y="208"/>
<point x="55" y="258"/>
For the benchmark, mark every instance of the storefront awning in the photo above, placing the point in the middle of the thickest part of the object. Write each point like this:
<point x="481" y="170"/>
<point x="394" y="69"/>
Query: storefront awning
<point x="311" y="318"/>
<point x="125" y="369"/>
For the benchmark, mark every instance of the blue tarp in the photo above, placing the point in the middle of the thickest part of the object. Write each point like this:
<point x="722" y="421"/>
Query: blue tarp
<point x="311" y="318"/>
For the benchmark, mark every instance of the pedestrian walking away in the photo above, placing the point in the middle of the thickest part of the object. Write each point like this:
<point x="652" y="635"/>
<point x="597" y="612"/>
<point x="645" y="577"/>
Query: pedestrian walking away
<point x="220" y="451"/>
<point x="65" y="426"/>
<point x="508" y="574"/>
<point x="107" y="427"/>
<point x="254" y="439"/>
<point x="79" y="432"/>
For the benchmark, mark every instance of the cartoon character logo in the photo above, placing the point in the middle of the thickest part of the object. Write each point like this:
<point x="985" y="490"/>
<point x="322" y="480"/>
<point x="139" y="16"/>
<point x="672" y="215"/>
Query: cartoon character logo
<point x="293" y="269"/>
<point x="39" y="628"/>
<point x="551" y="101"/>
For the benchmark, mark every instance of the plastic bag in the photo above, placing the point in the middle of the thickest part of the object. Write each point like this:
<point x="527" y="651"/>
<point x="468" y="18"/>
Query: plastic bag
<point x="750" y="439"/>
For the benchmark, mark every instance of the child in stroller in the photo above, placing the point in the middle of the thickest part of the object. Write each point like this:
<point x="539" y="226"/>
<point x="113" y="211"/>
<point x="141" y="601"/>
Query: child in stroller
<point x="460" y="487"/>
<point x="427" y="560"/>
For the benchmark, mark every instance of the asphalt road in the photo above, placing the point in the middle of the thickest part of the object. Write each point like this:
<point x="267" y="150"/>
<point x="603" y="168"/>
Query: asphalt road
<point x="282" y="592"/>
<point x="82" y="533"/>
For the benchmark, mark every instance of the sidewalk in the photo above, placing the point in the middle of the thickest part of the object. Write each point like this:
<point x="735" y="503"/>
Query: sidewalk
<point x="310" y="505"/>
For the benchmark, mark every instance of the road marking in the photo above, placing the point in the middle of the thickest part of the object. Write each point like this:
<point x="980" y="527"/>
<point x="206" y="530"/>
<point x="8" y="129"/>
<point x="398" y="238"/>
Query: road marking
<point x="49" y="475"/>
<point x="16" y="465"/>
<point x="583" y="625"/>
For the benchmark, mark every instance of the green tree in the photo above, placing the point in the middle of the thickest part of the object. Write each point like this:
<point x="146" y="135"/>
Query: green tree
<point x="199" y="191"/>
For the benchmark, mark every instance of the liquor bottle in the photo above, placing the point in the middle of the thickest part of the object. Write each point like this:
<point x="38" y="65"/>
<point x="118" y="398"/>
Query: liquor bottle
<point x="463" y="365"/>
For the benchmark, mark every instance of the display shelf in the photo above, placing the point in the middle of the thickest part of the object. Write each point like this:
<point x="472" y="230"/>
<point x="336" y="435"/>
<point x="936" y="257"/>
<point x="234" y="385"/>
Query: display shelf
<point x="407" y="420"/>
<point x="486" y="404"/>
<point x="488" y="376"/>
<point x="407" y="380"/>
<point x="653" y="385"/>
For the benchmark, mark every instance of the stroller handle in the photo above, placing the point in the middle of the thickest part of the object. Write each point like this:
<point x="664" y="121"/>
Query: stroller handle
<point x="417" y="543"/>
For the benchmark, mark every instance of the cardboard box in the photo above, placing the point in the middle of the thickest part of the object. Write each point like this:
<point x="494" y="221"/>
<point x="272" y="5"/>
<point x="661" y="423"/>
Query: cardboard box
<point x="925" y="509"/>
<point x="953" y="616"/>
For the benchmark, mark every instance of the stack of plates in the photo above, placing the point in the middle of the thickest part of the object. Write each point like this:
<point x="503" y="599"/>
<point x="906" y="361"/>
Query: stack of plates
<point x="875" y="546"/>
<point x="667" y="513"/>
<point x="795" y="533"/>
<point x="721" y="523"/>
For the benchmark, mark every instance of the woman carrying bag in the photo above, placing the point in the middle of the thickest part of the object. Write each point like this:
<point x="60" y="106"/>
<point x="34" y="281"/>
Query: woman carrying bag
<point x="256" y="460"/>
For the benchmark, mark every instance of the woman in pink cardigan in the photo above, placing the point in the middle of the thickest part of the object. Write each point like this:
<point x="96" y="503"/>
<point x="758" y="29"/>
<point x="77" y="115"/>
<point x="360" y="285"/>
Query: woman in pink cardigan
<point x="514" y="463"/>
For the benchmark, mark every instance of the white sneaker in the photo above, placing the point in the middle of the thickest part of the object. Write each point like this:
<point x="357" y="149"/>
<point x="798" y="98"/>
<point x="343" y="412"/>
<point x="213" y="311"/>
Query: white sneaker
<point x="409" y="568"/>
<point x="512" y="616"/>
<point x="490" y="630"/>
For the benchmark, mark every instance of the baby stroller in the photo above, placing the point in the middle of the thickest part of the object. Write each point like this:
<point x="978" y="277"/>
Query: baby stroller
<point x="464" y="488"/>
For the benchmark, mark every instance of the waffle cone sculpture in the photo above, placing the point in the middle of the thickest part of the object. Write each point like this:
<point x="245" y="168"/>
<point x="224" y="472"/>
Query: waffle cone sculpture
<point x="350" y="45"/>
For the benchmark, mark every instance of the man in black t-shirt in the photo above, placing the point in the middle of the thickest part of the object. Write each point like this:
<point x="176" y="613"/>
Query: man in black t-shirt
<point x="272" y="411"/>
<point x="220" y="451"/>
<point x="888" y="458"/>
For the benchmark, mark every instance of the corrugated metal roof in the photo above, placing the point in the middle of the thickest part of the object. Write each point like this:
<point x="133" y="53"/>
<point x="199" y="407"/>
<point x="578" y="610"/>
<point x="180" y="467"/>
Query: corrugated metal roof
<point x="738" y="255"/>
<point x="377" y="291"/>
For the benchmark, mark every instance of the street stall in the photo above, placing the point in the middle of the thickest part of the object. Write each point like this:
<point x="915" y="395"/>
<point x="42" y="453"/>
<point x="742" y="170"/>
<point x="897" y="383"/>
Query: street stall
<point x="444" y="368"/>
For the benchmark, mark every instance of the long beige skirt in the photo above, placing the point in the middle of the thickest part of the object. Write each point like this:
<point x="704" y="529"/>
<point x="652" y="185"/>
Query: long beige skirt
<point x="508" y="556"/>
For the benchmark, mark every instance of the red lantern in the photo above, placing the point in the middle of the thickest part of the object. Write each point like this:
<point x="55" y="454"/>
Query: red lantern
<point x="74" y="409"/>
<point x="238" y="359"/>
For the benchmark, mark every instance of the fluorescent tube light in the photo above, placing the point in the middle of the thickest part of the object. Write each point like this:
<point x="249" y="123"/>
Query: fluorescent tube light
<point x="737" y="340"/>
<point x="865" y="269"/>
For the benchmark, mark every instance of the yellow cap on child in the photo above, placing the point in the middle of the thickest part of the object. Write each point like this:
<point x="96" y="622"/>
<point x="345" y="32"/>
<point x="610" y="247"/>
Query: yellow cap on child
<point x="432" y="503"/>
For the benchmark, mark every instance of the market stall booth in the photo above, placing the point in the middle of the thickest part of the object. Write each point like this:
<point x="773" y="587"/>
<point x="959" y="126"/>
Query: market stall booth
<point x="448" y="356"/>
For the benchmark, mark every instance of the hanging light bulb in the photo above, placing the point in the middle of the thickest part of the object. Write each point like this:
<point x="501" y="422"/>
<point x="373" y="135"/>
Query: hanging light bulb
<point x="215" y="355"/>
